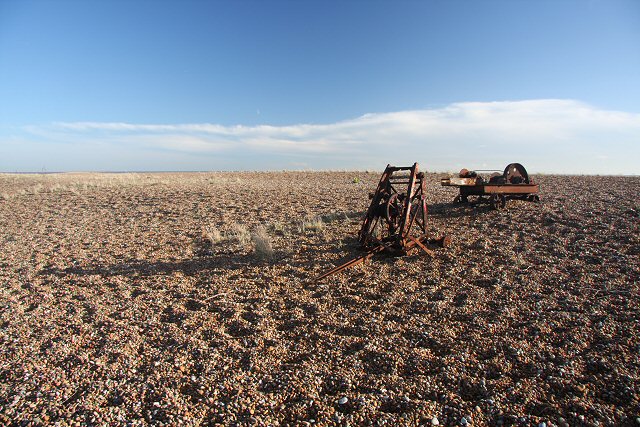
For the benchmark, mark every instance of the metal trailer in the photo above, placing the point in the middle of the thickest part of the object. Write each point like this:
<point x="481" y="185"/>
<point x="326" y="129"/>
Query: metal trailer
<point x="513" y="184"/>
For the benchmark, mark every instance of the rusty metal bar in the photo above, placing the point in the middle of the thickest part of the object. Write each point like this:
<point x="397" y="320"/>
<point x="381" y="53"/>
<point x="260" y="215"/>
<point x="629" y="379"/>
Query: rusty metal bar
<point x="423" y="247"/>
<point x="351" y="263"/>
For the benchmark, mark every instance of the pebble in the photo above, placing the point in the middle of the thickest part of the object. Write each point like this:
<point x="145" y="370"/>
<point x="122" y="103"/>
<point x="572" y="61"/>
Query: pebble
<point x="176" y="344"/>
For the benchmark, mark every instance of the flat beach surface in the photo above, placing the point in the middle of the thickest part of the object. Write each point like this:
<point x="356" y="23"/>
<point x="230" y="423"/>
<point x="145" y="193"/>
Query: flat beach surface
<point x="140" y="298"/>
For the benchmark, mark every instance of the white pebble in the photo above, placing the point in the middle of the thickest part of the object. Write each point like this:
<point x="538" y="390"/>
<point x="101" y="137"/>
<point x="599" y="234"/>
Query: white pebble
<point x="464" y="421"/>
<point x="435" y="421"/>
<point x="343" y="400"/>
<point x="542" y="424"/>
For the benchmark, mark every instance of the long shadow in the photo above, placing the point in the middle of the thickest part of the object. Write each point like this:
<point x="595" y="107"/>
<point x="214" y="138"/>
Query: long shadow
<point x="228" y="261"/>
<point x="141" y="268"/>
<point x="457" y="210"/>
<point x="232" y="261"/>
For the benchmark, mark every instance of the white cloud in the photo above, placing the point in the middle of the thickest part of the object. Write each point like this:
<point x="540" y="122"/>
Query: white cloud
<point x="545" y="135"/>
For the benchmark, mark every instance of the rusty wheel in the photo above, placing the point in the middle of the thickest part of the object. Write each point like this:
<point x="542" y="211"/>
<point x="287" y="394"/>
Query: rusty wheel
<point x="497" y="201"/>
<point x="515" y="173"/>
<point x="393" y="212"/>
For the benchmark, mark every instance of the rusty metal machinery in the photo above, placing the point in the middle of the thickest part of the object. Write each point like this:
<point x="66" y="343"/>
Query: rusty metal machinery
<point x="397" y="207"/>
<point x="396" y="220"/>
<point x="513" y="184"/>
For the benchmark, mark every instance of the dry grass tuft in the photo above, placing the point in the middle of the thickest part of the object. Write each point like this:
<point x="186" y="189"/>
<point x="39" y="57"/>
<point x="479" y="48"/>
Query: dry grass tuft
<point x="211" y="234"/>
<point x="311" y="224"/>
<point x="241" y="233"/>
<point x="262" y="243"/>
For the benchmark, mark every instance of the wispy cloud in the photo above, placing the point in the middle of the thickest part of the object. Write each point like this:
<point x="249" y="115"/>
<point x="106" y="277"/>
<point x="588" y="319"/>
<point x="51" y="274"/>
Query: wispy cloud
<point x="546" y="135"/>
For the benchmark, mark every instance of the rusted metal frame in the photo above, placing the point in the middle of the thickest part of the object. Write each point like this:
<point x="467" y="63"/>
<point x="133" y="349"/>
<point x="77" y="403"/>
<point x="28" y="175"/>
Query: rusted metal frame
<point x="413" y="219"/>
<point x="419" y="194"/>
<point x="424" y="213"/>
<point x="407" y="203"/>
<point x="383" y="180"/>
<point x="379" y="221"/>
<point x="373" y="206"/>
<point x="423" y="205"/>
<point x="422" y="224"/>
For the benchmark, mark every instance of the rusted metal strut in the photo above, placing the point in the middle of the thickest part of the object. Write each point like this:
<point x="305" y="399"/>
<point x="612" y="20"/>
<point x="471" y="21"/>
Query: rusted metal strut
<point x="396" y="220"/>
<point x="441" y="242"/>
<point x="351" y="263"/>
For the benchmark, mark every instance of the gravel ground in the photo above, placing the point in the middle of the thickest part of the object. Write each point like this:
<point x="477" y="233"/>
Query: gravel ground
<point x="136" y="299"/>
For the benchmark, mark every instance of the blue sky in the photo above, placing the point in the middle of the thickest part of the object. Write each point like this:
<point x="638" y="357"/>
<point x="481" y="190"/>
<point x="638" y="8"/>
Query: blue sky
<point x="228" y="85"/>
